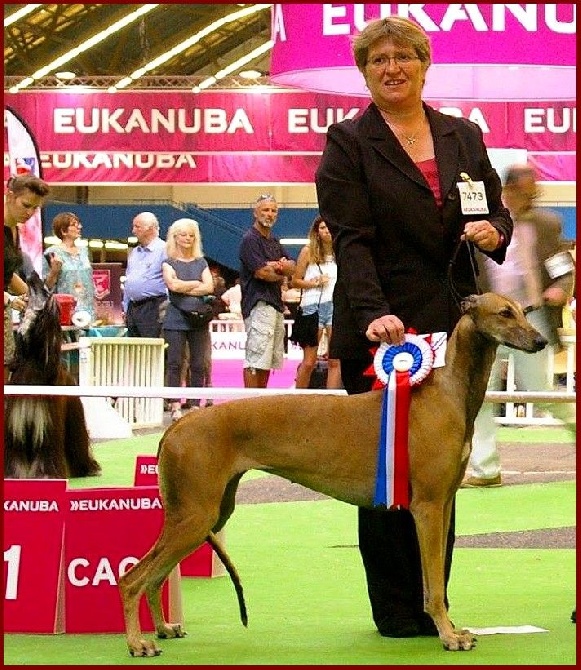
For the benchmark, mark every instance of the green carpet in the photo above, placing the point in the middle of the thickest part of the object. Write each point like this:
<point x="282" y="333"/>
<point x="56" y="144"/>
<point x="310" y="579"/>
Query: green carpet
<point x="306" y="595"/>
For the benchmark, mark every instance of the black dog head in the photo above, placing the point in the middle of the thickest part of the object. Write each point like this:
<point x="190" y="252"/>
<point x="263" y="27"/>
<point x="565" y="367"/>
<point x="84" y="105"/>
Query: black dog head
<point x="38" y="338"/>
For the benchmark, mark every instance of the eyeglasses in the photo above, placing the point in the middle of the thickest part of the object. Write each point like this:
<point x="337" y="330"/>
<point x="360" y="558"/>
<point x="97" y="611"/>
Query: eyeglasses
<point x="75" y="224"/>
<point x="400" y="60"/>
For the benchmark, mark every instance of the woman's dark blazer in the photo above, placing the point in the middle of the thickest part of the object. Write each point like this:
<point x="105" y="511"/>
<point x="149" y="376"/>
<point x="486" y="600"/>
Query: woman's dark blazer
<point x="393" y="244"/>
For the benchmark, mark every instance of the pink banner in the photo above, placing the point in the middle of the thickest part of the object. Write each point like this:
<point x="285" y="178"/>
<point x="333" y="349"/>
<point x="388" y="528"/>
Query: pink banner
<point x="488" y="52"/>
<point x="34" y="518"/>
<point x="107" y="532"/>
<point x="234" y="137"/>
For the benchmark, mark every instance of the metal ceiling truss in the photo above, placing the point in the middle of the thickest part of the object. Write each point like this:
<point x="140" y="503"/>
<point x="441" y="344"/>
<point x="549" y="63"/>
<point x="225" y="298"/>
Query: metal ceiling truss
<point x="49" y="31"/>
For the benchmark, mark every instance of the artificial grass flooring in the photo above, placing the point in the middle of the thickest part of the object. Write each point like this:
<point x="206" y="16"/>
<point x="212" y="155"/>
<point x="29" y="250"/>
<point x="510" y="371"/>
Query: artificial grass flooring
<point x="306" y="594"/>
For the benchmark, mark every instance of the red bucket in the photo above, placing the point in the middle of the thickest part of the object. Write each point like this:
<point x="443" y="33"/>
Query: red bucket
<point x="66" y="305"/>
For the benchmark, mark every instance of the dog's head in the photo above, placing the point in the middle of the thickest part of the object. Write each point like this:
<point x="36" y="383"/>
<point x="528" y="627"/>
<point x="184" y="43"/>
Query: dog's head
<point x="41" y="308"/>
<point x="502" y="320"/>
<point x="38" y="338"/>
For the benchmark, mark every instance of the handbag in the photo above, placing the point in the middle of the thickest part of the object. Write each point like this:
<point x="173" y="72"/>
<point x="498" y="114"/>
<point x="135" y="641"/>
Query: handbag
<point x="305" y="330"/>
<point x="201" y="316"/>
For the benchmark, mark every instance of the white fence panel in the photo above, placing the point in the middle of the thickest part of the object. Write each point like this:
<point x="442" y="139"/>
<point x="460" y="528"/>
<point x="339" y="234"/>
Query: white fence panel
<point x="562" y="364"/>
<point x="126" y="361"/>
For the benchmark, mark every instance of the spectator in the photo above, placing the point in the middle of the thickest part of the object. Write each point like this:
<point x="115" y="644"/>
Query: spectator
<point x="524" y="277"/>
<point x="315" y="276"/>
<point x="145" y="292"/>
<point x="291" y="298"/>
<point x="232" y="297"/>
<point x="24" y="195"/>
<point x="264" y="265"/>
<point x="188" y="279"/>
<point x="67" y="267"/>
<point x="389" y="187"/>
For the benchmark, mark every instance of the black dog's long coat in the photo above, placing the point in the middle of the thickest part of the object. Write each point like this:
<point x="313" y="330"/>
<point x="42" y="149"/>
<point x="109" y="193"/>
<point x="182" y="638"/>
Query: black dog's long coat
<point x="44" y="436"/>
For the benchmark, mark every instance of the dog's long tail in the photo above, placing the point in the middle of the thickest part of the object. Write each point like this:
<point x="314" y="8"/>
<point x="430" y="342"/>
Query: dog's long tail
<point x="227" y="563"/>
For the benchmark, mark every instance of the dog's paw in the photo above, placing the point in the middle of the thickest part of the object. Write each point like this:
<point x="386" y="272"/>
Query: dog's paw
<point x="171" y="630"/>
<point x="461" y="640"/>
<point x="144" y="648"/>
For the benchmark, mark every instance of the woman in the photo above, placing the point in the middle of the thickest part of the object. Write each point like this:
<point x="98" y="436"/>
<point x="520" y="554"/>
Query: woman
<point x="315" y="276"/>
<point x="67" y="267"/>
<point x="391" y="186"/>
<point x="25" y="194"/>
<point x="188" y="279"/>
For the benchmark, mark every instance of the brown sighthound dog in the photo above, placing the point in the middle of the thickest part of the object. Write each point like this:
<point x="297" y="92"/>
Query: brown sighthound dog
<point x="328" y="444"/>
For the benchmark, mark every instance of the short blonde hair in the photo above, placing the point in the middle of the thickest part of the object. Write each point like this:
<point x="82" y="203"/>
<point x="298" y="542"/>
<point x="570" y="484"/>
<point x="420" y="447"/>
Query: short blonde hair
<point x="401" y="31"/>
<point x="184" y="226"/>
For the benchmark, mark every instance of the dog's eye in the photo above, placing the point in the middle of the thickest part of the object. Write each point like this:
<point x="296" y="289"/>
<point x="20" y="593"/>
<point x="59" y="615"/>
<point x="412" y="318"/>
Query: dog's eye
<point x="507" y="313"/>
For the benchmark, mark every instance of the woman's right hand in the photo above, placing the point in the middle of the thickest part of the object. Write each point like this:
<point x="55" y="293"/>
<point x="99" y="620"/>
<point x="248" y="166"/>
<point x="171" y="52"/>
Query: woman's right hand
<point x="55" y="264"/>
<point x="387" y="328"/>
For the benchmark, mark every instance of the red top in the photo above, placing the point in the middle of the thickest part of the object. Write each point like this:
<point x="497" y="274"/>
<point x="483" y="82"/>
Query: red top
<point x="429" y="169"/>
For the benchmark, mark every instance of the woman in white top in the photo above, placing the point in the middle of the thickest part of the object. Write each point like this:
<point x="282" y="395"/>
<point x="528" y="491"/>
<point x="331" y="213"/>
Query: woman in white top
<point x="315" y="275"/>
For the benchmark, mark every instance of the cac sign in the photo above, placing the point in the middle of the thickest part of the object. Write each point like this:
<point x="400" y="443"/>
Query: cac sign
<point x="34" y="518"/>
<point x="64" y="551"/>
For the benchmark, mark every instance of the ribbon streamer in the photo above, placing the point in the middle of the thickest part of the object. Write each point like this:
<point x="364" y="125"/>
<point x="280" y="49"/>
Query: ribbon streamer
<point x="400" y="367"/>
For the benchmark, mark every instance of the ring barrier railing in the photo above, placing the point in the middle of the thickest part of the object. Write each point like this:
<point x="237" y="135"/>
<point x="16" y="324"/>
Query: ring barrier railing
<point x="131" y="371"/>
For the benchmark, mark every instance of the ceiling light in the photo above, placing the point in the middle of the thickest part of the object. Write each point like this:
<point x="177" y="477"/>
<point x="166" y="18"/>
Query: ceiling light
<point x="250" y="74"/>
<point x="65" y="76"/>
<point x="19" y="14"/>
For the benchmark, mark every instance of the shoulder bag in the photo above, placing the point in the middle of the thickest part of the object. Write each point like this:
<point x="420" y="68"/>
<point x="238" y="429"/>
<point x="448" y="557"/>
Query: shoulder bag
<point x="305" y="329"/>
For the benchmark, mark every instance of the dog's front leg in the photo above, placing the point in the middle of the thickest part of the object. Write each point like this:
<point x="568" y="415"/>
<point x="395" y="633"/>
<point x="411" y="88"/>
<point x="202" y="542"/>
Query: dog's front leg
<point x="432" y="532"/>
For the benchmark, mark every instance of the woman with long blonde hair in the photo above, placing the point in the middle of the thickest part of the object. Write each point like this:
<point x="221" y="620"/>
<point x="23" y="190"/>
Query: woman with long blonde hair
<point x="189" y="280"/>
<point x="315" y="276"/>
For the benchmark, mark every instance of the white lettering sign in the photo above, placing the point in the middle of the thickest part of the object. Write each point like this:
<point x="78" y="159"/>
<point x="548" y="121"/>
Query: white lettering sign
<point x="529" y="16"/>
<point x="124" y="122"/>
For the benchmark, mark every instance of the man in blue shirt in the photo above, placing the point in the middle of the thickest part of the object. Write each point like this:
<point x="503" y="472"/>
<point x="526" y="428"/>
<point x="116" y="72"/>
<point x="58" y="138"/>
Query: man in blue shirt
<point x="263" y="267"/>
<point x="144" y="288"/>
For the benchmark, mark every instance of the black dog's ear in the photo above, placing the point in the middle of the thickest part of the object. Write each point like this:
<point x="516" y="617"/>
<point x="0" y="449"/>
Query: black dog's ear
<point x="468" y="303"/>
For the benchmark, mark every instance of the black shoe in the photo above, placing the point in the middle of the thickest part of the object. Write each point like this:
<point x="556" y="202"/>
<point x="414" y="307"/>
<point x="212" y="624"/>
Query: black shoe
<point x="401" y="626"/>
<point x="574" y="616"/>
<point x="407" y="626"/>
<point x="427" y="625"/>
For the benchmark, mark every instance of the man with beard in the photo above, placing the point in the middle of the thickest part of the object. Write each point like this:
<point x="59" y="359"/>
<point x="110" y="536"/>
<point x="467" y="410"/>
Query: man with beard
<point x="263" y="267"/>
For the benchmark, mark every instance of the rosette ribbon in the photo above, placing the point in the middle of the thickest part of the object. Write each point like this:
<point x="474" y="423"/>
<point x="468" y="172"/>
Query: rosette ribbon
<point x="399" y="367"/>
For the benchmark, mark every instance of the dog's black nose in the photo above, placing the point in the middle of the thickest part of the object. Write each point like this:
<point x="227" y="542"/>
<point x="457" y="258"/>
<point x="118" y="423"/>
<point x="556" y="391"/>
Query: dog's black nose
<point x="540" y="343"/>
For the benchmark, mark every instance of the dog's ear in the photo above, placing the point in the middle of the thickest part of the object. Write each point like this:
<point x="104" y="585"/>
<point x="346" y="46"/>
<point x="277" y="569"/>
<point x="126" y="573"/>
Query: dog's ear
<point x="468" y="303"/>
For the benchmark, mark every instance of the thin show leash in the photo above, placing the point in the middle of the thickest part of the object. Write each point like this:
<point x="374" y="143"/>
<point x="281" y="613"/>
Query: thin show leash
<point x="458" y="298"/>
<point x="454" y="291"/>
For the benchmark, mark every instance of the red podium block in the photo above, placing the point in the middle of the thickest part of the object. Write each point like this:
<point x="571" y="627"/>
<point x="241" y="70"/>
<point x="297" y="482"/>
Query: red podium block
<point x="203" y="562"/>
<point x="107" y="532"/>
<point x="34" y="517"/>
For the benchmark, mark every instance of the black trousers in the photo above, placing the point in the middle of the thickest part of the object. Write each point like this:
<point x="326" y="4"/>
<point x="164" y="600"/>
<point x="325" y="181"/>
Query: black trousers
<point x="143" y="319"/>
<point x="388" y="541"/>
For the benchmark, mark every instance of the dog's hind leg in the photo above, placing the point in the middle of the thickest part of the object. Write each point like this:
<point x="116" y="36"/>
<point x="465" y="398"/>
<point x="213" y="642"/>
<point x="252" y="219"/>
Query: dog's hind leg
<point x="192" y="502"/>
<point x="179" y="537"/>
